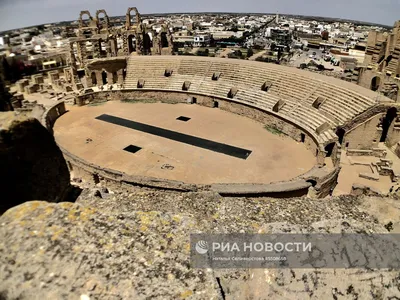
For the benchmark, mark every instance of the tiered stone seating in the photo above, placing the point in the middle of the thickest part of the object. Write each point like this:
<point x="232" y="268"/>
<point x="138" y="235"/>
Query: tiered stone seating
<point x="297" y="88"/>
<point x="194" y="68"/>
<point x="342" y="104"/>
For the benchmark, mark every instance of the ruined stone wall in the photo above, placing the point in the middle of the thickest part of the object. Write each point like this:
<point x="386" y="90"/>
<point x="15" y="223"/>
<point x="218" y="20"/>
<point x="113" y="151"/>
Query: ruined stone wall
<point x="52" y="114"/>
<point x="31" y="164"/>
<point x="365" y="135"/>
<point x="367" y="75"/>
<point x="393" y="134"/>
<point x="336" y="154"/>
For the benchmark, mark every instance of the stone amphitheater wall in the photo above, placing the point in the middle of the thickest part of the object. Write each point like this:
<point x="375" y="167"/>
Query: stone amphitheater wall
<point x="366" y="76"/>
<point x="322" y="182"/>
<point x="52" y="114"/>
<point x="362" y="133"/>
<point x="356" y="137"/>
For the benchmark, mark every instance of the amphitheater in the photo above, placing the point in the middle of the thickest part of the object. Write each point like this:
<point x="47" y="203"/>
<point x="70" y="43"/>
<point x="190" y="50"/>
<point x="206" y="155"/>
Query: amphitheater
<point x="138" y="149"/>
<point x="322" y="115"/>
<point x="236" y="127"/>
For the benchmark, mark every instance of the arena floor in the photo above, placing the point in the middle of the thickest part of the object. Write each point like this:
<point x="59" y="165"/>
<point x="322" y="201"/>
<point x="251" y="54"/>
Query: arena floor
<point x="206" y="158"/>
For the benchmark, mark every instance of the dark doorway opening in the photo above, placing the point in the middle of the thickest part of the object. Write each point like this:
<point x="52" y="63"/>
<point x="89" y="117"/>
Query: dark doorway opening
<point x="375" y="83"/>
<point x="147" y="44"/>
<point x="329" y="149"/>
<point x="131" y="44"/>
<point x="312" y="182"/>
<point x="303" y="137"/>
<point x="216" y="104"/>
<point x="132" y="148"/>
<point x="194" y="100"/>
<point x="94" y="79"/>
<point x="164" y="40"/>
<point x="96" y="178"/>
<point x="81" y="73"/>
<point x="340" y="133"/>
<point x="104" y="77"/>
<point x="182" y="118"/>
<point x="386" y="122"/>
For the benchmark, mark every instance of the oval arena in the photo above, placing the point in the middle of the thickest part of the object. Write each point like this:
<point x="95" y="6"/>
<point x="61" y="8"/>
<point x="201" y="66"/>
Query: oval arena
<point x="235" y="127"/>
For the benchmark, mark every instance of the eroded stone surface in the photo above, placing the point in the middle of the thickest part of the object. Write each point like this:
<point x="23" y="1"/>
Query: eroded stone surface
<point x="118" y="247"/>
<point x="62" y="251"/>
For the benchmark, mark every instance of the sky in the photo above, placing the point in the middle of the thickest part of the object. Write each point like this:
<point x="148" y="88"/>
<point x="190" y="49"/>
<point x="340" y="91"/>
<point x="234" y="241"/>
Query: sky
<point x="23" y="13"/>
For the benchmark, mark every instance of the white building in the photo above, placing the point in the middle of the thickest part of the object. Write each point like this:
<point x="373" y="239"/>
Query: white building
<point x="201" y="40"/>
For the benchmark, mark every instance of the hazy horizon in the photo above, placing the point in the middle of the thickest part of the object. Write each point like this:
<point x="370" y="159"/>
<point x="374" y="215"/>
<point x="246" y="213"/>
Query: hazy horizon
<point x="24" y="13"/>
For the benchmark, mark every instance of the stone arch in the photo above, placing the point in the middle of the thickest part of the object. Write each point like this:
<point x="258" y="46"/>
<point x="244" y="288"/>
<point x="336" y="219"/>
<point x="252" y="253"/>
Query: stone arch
<point x="106" y="20"/>
<point x="128" y="17"/>
<point x="375" y="83"/>
<point x="82" y="23"/>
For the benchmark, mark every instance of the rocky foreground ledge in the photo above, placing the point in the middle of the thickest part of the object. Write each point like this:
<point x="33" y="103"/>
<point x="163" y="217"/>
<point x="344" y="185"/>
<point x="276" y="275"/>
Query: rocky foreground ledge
<point x="114" y="246"/>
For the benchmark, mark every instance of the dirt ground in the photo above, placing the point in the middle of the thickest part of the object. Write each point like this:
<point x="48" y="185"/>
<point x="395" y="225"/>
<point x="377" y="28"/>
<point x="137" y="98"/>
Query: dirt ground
<point x="274" y="157"/>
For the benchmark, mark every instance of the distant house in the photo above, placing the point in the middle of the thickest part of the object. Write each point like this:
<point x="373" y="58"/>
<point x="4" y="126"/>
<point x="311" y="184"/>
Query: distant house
<point x="202" y="40"/>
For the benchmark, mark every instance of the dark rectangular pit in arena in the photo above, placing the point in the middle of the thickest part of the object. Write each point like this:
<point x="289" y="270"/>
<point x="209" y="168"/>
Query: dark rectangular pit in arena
<point x="179" y="137"/>
<point x="182" y="118"/>
<point x="132" y="148"/>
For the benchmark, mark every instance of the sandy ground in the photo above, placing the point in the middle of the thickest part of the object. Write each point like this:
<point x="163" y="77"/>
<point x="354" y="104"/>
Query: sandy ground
<point x="273" y="158"/>
<point x="349" y="175"/>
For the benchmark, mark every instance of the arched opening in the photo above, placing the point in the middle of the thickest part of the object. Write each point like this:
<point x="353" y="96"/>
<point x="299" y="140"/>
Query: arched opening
<point x="164" y="40"/>
<point x="133" y="16"/>
<point x="131" y="44"/>
<point x="375" y="83"/>
<point x="102" y="20"/>
<point x="85" y="19"/>
<point x="340" y="133"/>
<point x="124" y="73"/>
<point x="216" y="104"/>
<point x="329" y="149"/>
<point x="94" y="79"/>
<point x="104" y="77"/>
<point x="115" y="77"/>
<point x="147" y="43"/>
<point x="302" y="137"/>
<point x="312" y="182"/>
<point x="386" y="122"/>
